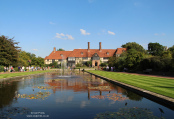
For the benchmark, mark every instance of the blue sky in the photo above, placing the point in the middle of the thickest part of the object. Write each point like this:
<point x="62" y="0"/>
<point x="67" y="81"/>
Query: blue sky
<point x="40" y="25"/>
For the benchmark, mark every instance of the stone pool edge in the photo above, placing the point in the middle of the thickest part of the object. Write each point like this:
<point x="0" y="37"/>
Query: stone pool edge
<point x="163" y="100"/>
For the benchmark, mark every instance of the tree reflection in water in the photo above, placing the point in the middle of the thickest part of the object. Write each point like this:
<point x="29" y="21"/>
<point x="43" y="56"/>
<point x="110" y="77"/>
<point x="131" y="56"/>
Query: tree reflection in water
<point x="7" y="93"/>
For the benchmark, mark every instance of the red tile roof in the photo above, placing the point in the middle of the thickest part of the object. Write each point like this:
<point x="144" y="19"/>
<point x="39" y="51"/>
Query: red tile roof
<point x="59" y="55"/>
<point x="91" y="52"/>
<point x="84" y="53"/>
<point x="120" y="50"/>
<point x="102" y="52"/>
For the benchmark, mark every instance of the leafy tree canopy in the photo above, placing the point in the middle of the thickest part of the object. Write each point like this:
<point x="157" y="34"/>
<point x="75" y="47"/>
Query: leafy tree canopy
<point x="133" y="58"/>
<point x="171" y="49"/>
<point x="8" y="51"/>
<point x="155" y="49"/>
<point x="133" y="45"/>
<point x="166" y="54"/>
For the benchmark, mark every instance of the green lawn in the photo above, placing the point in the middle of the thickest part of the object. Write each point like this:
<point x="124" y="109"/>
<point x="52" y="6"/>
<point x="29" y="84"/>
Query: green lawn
<point x="9" y="75"/>
<point x="163" y="86"/>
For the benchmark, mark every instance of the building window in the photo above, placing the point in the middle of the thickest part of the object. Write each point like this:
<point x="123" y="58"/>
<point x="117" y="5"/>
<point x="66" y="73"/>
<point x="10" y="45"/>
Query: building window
<point x="53" y="60"/>
<point x="107" y="53"/>
<point x="61" y="54"/>
<point x="117" y="55"/>
<point x="85" y="58"/>
<point x="106" y="58"/>
<point x="71" y="58"/>
<point x="81" y="53"/>
<point x="47" y="59"/>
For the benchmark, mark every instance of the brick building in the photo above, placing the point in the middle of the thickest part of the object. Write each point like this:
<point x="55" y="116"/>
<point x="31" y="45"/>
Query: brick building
<point x="97" y="56"/>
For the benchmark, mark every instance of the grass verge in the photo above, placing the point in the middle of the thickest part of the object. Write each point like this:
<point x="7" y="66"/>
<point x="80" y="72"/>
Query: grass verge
<point x="163" y="86"/>
<point x="9" y="75"/>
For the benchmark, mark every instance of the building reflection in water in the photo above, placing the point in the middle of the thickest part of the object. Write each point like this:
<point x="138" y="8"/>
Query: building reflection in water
<point x="86" y="82"/>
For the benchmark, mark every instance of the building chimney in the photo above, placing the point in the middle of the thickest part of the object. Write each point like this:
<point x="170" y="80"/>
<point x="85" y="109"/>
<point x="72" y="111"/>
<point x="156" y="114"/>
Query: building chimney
<point x="54" y="49"/>
<point x="99" y="45"/>
<point x="88" y="45"/>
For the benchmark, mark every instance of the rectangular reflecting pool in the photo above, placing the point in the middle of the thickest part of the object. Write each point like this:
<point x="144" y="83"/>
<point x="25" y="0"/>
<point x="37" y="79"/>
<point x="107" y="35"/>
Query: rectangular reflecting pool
<point x="74" y="96"/>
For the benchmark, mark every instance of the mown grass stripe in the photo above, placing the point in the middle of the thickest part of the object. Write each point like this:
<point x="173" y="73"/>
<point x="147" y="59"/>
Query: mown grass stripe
<point x="157" y="90"/>
<point x="154" y="82"/>
<point x="158" y="85"/>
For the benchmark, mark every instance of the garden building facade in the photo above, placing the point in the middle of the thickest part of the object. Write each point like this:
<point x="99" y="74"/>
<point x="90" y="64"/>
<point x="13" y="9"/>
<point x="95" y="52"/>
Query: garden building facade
<point x="81" y="56"/>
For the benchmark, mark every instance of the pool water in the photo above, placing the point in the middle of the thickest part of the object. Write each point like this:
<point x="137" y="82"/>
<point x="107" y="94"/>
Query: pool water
<point x="75" y="96"/>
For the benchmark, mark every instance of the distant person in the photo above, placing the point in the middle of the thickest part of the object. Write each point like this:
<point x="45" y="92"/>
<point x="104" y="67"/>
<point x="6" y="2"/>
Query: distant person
<point x="29" y="68"/>
<point x="111" y="68"/>
<point x="107" y="68"/>
<point x="5" y="68"/>
<point x="11" y="68"/>
<point x="23" y="68"/>
<point x="32" y="68"/>
<point x="19" y="68"/>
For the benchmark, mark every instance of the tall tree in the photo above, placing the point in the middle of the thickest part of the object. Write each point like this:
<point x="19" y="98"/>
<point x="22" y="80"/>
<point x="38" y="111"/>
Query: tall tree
<point x="8" y="51"/>
<point x="24" y="59"/>
<point x="155" y="49"/>
<point x="171" y="49"/>
<point x="133" y="58"/>
<point x="133" y="45"/>
<point x="40" y="61"/>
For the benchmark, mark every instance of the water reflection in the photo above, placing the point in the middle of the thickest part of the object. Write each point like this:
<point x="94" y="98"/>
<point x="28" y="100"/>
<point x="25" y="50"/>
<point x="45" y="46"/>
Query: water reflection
<point x="7" y="92"/>
<point x="82" y="93"/>
<point x="129" y="113"/>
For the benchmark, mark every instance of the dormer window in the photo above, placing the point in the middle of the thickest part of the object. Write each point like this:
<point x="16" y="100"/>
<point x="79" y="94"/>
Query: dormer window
<point x="81" y="53"/>
<point x="123" y="50"/>
<point x="107" y="53"/>
<point x="61" y="54"/>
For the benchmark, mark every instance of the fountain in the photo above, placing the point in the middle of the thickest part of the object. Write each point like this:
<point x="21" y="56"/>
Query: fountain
<point x="64" y="68"/>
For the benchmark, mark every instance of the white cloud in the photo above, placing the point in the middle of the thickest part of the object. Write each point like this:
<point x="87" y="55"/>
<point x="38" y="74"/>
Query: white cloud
<point x="84" y="32"/>
<point x="70" y="37"/>
<point x="35" y="49"/>
<point x="161" y="34"/>
<point x="63" y="36"/>
<point x="59" y="35"/>
<point x="52" y="23"/>
<point x="112" y="33"/>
